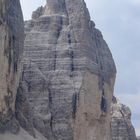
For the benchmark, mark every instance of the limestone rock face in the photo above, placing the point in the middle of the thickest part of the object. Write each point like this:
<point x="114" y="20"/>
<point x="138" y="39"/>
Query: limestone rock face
<point x="22" y="135"/>
<point x="68" y="73"/>
<point x="11" y="47"/>
<point x="122" y="128"/>
<point x="67" y="80"/>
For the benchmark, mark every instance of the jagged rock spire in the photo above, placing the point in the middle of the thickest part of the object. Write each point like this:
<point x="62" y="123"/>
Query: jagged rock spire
<point x="55" y="7"/>
<point x="67" y="81"/>
<point x="68" y="73"/>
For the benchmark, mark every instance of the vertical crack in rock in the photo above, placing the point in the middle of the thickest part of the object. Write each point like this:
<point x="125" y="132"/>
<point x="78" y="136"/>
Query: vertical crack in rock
<point x="50" y="106"/>
<point x="99" y="58"/>
<point x="71" y="53"/>
<point x="74" y="105"/>
<point x="103" y="104"/>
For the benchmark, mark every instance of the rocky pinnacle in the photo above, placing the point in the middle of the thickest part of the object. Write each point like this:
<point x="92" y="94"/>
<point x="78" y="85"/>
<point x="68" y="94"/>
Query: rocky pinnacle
<point x="68" y="73"/>
<point x="64" y="90"/>
<point x="121" y="126"/>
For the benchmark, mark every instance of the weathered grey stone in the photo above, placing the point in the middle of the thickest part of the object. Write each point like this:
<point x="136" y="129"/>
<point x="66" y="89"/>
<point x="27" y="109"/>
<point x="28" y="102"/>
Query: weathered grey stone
<point x="68" y="73"/>
<point x="122" y="128"/>
<point x="22" y="135"/>
<point x="11" y="47"/>
<point x="36" y="14"/>
<point x="67" y="79"/>
<point x="24" y="112"/>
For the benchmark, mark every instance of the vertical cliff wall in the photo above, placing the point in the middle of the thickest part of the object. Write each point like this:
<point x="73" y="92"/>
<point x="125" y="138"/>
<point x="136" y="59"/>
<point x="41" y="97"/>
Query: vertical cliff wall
<point x="67" y="81"/>
<point x="68" y="73"/>
<point x="11" y="47"/>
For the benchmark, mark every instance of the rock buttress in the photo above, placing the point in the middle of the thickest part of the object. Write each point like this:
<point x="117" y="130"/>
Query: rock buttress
<point x="68" y="73"/>
<point x="11" y="47"/>
<point x="121" y="126"/>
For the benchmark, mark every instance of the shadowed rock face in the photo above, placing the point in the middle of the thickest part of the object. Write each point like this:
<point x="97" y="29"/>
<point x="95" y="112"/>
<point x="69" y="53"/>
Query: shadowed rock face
<point x="68" y="73"/>
<point x="122" y="128"/>
<point x="11" y="47"/>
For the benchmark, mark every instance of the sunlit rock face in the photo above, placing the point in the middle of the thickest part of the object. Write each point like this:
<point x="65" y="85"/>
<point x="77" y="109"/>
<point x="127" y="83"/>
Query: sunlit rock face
<point x="68" y="73"/>
<point x="121" y="126"/>
<point x="11" y="47"/>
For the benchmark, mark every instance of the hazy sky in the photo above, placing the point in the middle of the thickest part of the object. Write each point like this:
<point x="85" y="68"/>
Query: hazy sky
<point x="119" y="22"/>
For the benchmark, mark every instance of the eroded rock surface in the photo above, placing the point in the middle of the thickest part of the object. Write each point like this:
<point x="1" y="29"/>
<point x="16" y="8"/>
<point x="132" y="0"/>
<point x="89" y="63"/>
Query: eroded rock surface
<point x="68" y="73"/>
<point x="67" y="81"/>
<point x="22" y="135"/>
<point x="122" y="128"/>
<point x="11" y="47"/>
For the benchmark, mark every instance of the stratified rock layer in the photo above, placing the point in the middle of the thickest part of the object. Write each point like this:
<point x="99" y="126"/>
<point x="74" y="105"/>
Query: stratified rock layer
<point x="122" y="128"/>
<point x="68" y="73"/>
<point x="11" y="47"/>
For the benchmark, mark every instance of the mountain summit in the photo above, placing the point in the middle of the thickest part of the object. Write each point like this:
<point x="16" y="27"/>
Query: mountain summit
<point x="64" y="89"/>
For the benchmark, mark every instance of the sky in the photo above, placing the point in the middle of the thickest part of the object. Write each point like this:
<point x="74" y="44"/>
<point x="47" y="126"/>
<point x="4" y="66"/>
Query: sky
<point x="119" y="22"/>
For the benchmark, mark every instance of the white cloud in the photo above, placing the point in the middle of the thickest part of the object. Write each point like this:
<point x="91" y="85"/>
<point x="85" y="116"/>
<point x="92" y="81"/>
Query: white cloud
<point x="138" y="131"/>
